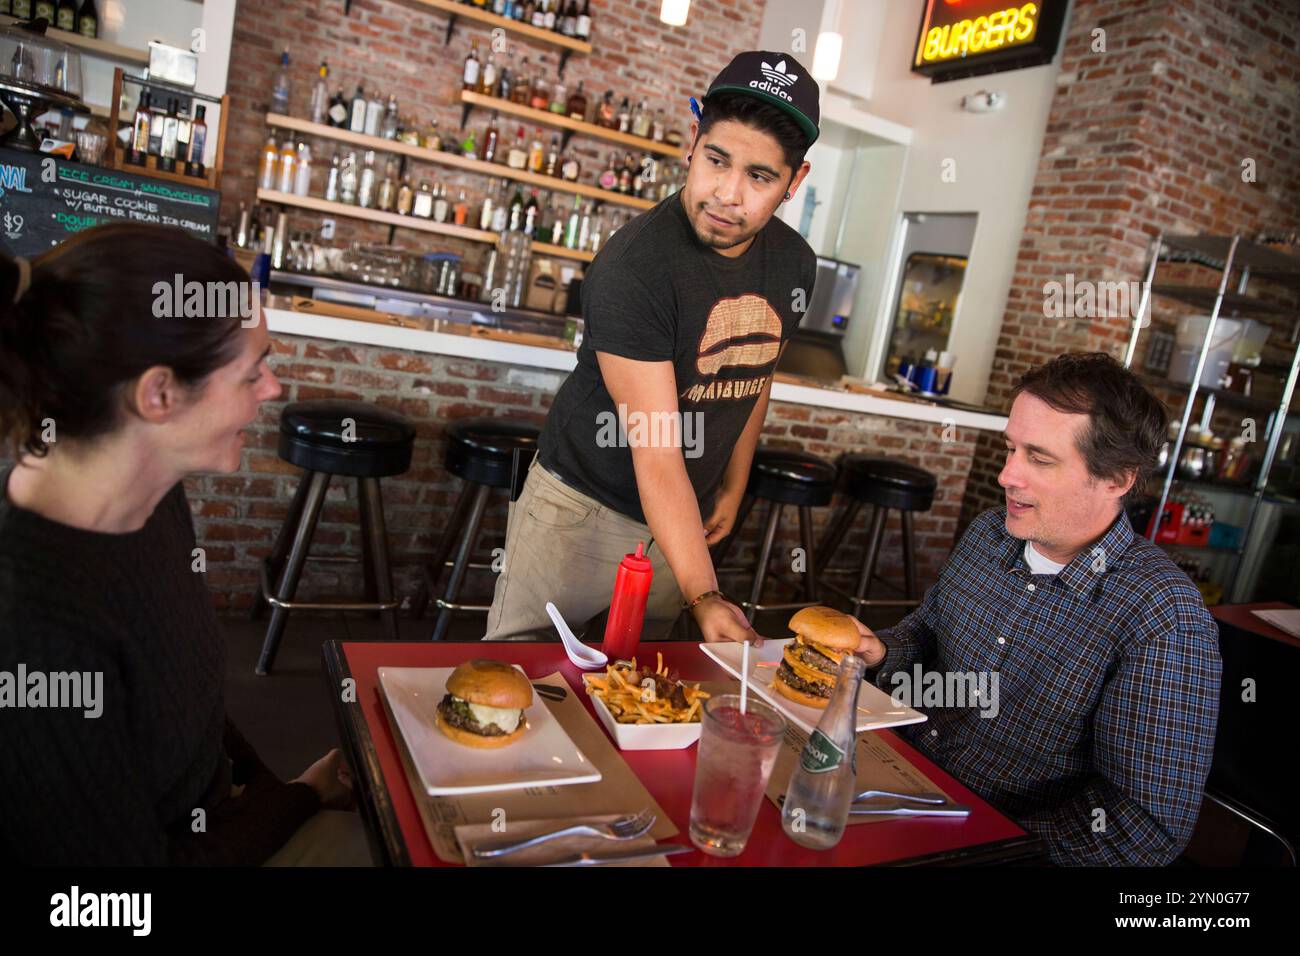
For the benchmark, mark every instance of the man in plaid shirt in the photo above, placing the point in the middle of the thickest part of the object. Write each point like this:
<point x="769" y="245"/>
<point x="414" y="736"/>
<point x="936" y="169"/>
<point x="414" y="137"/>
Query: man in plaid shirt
<point x="1106" y="660"/>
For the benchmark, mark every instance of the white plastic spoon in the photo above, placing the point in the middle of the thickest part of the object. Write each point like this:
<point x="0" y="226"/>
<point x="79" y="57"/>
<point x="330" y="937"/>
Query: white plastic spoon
<point x="587" y="658"/>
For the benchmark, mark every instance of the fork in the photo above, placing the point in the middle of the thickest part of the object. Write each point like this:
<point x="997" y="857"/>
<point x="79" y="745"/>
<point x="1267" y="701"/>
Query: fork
<point x="935" y="798"/>
<point x="624" y="828"/>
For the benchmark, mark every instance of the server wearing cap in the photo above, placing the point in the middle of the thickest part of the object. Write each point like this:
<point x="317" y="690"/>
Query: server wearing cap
<point x="687" y="309"/>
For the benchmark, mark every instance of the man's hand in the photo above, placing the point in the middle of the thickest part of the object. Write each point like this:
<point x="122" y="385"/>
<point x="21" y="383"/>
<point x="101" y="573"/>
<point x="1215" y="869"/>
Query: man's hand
<point x="722" y="522"/>
<point x="721" y="620"/>
<point x="331" y="779"/>
<point x="870" y="648"/>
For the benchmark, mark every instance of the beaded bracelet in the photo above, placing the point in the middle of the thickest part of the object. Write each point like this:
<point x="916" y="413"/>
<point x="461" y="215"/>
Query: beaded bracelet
<point x="690" y="605"/>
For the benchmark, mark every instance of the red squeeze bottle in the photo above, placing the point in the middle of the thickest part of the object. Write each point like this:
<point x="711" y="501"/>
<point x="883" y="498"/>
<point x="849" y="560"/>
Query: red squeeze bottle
<point x="627" y="606"/>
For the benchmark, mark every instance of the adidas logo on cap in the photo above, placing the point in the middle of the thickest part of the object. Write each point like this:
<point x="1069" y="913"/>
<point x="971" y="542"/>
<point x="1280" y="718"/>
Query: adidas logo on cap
<point x="778" y="80"/>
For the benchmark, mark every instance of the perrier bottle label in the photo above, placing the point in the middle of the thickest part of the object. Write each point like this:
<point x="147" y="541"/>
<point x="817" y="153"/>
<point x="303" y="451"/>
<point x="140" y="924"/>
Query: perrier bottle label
<point x="820" y="754"/>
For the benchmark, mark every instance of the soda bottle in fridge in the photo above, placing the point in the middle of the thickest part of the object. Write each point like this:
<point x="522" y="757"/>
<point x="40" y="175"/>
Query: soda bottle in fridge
<point x="822" y="786"/>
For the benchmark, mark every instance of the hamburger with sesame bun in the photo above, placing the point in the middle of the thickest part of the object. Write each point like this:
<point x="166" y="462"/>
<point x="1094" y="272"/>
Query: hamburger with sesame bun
<point x="811" y="661"/>
<point x="485" y="703"/>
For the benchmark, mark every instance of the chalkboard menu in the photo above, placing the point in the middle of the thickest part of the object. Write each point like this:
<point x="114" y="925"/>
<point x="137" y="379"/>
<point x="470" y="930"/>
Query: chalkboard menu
<point x="44" y="200"/>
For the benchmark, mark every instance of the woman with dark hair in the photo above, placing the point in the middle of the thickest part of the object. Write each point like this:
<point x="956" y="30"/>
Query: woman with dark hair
<point x="114" y="738"/>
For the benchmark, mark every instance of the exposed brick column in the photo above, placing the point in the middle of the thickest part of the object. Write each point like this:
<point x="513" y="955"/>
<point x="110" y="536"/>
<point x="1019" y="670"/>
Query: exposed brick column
<point x="1148" y="135"/>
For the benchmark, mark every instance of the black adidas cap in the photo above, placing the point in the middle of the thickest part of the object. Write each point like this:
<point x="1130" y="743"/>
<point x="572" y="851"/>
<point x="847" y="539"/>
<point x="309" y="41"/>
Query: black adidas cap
<point x="775" y="78"/>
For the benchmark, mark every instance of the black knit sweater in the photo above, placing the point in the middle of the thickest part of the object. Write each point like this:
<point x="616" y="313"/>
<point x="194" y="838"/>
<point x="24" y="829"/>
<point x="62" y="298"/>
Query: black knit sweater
<point x="124" y="787"/>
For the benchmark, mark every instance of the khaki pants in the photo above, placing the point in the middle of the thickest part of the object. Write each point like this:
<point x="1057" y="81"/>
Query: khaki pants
<point x="565" y="547"/>
<point x="330" y="838"/>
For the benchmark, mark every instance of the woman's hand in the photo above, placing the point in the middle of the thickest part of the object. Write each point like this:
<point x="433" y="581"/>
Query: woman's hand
<point x="721" y="620"/>
<point x="332" y="781"/>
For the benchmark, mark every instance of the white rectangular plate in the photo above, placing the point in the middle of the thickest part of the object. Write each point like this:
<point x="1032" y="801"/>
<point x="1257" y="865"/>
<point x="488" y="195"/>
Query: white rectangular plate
<point x="645" y="736"/>
<point x="876" y="709"/>
<point x="543" y="757"/>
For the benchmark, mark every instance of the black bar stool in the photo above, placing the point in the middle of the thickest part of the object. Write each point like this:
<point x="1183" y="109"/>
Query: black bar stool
<point x="326" y="438"/>
<point x="780" y="478"/>
<point x="886" y="485"/>
<point x="487" y="453"/>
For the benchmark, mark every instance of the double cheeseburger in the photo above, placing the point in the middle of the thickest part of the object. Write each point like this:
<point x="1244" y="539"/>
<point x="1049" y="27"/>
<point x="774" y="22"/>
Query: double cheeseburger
<point x="811" y="661"/>
<point x="485" y="704"/>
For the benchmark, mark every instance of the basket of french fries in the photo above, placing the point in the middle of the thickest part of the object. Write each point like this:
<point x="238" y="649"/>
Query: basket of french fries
<point x="646" y="708"/>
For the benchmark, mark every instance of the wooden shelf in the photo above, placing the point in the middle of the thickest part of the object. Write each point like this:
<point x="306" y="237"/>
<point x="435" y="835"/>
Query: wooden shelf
<point x="104" y="48"/>
<point x="568" y="123"/>
<point x="570" y="44"/>
<point x="410" y="222"/>
<point x="455" y="160"/>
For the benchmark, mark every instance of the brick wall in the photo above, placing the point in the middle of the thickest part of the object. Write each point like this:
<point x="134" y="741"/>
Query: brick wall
<point x="236" y="516"/>
<point x="1148" y="135"/>
<point x="397" y="47"/>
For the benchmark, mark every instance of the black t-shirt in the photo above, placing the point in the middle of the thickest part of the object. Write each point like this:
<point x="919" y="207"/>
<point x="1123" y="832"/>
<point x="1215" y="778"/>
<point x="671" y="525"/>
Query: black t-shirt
<point x="655" y="293"/>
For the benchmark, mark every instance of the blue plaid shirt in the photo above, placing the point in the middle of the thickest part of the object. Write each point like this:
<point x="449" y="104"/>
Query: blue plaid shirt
<point x="1107" y="694"/>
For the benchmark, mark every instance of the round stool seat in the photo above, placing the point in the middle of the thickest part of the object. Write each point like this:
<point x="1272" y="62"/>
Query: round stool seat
<point x="341" y="437"/>
<point x="888" y="483"/>
<point x="482" y="449"/>
<point x="791" y="477"/>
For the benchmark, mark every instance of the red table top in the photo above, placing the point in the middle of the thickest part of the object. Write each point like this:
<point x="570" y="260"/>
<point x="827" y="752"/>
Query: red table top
<point x="668" y="774"/>
<point x="1238" y="615"/>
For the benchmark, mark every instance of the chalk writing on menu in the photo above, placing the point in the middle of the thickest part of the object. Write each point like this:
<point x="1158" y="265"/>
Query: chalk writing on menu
<point x="44" y="200"/>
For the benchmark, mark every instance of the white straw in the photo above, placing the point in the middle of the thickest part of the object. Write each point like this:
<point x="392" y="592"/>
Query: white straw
<point x="744" y="679"/>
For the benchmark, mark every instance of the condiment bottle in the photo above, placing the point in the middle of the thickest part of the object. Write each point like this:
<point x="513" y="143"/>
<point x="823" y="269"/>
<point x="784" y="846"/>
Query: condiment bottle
<point x="627" y="606"/>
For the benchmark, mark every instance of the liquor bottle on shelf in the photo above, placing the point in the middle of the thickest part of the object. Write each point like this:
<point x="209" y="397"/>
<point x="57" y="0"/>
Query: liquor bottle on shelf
<point x="486" y="212"/>
<point x="332" y="180"/>
<point x="302" y="175"/>
<point x="570" y="169"/>
<point x="582" y="28"/>
<point x="548" y="18"/>
<point x="405" y="196"/>
<point x="390" y="124"/>
<point x="387" y="197"/>
<point x="624" y="117"/>
<point x="556" y="238"/>
<point x="470" y="75"/>
<point x="597" y="235"/>
<point x="488" y="147"/>
<point x="433" y="137"/>
<point x="540" y="96"/>
<point x="440" y="203"/>
<point x="469" y="146"/>
<point x="536" y="154"/>
<point x="167" y="152"/>
<point x="195" y="161"/>
<point x="657" y="127"/>
<point x="366" y="183"/>
<point x="523" y="87"/>
<point x="559" y="98"/>
<point x="553" y="156"/>
<point x="269" y="167"/>
<point x="46" y="9"/>
<point x="499" y="7"/>
<point x="530" y="214"/>
<point x="506" y="81"/>
<point x="576" y="108"/>
<point x="88" y="20"/>
<point x="641" y="123"/>
<point x="501" y="208"/>
<point x="584" y="228"/>
<point x="288" y="164"/>
<point x="374" y="114"/>
<point x="184" y="130"/>
<point x="538" y="14"/>
<point x="349" y="178"/>
<point x="605" y="115"/>
<point x="320" y="94"/>
<point x="625" y="174"/>
<point x="516" y="211"/>
<point x="66" y="17"/>
<point x="157" y="117"/>
<point x="488" y="81"/>
<point x="573" y="225"/>
<point x="518" y="155"/>
<point x="609" y="178"/>
<point x="423" y="205"/>
<point x="282" y="87"/>
<point x="460" y="211"/>
<point x="357" y="118"/>
<point x="140" y="131"/>
<point x="569" y="22"/>
<point x="338" y="113"/>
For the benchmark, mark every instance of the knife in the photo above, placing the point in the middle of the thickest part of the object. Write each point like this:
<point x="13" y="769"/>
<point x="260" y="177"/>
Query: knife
<point x="902" y="809"/>
<point x="622" y="856"/>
